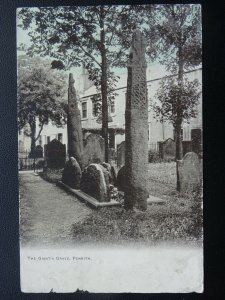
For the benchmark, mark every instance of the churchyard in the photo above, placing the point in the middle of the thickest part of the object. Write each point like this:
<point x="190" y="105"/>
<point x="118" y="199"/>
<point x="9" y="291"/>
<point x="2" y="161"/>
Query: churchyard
<point x="133" y="200"/>
<point x="179" y="219"/>
<point x="82" y="195"/>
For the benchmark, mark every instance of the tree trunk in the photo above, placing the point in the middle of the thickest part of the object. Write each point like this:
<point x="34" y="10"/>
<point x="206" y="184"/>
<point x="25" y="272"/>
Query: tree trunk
<point x="104" y="86"/>
<point x="179" y="150"/>
<point x="33" y="138"/>
<point x="178" y="126"/>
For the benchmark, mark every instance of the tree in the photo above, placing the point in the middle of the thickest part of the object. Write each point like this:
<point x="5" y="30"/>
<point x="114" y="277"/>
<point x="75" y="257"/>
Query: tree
<point x="177" y="37"/>
<point x="40" y="92"/>
<point x="95" y="37"/>
<point x="169" y="94"/>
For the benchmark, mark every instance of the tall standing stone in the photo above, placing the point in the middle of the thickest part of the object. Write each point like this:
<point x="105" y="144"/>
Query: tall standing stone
<point x="74" y="129"/>
<point x="136" y="127"/>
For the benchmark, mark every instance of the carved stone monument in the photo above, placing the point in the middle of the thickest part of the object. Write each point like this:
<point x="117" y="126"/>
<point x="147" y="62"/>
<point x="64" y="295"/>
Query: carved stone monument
<point x="95" y="182"/>
<point x="136" y="127"/>
<point x="74" y="129"/>
<point x="72" y="173"/>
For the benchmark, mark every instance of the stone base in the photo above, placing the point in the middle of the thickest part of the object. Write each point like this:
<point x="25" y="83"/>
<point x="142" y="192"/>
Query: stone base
<point x="151" y="199"/>
<point x="86" y="198"/>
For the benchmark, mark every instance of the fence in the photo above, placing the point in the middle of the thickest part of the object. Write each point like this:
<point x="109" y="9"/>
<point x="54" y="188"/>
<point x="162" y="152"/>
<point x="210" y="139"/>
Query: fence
<point x="27" y="163"/>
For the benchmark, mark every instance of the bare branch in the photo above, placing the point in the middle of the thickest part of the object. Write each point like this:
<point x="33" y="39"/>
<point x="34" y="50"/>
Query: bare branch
<point x="91" y="56"/>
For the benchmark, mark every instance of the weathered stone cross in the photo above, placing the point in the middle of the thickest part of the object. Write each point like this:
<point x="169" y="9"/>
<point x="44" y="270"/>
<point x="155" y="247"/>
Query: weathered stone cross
<point x="136" y="126"/>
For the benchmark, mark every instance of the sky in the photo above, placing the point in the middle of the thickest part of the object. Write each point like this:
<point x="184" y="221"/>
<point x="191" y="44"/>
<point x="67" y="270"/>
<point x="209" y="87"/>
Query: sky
<point x="23" y="38"/>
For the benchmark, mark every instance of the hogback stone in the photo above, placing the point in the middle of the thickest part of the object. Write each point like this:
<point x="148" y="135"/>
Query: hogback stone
<point x="136" y="126"/>
<point x="95" y="182"/>
<point x="111" y="172"/>
<point x="72" y="173"/>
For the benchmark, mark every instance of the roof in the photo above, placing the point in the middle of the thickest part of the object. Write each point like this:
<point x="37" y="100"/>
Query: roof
<point x="153" y="72"/>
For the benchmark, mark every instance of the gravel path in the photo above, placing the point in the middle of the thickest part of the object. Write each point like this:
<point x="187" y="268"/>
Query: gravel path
<point x="47" y="212"/>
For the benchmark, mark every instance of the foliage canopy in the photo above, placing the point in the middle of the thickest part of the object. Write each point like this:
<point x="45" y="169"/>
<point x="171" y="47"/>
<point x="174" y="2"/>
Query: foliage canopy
<point x="41" y="95"/>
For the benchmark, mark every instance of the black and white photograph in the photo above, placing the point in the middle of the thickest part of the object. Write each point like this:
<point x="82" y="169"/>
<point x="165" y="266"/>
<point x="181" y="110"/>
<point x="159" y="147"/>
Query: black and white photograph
<point x="110" y="148"/>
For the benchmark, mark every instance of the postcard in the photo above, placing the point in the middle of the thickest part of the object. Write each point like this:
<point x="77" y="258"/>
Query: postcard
<point x="110" y="148"/>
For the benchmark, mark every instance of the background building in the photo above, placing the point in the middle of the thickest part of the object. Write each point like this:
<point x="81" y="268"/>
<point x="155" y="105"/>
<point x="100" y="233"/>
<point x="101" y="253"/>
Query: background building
<point x="158" y="131"/>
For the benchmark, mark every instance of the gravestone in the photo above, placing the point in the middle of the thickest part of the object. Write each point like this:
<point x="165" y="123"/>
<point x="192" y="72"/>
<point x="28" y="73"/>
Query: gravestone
<point x="111" y="172"/>
<point x="196" y="140"/>
<point x="74" y="129"/>
<point x="136" y="127"/>
<point x="55" y="154"/>
<point x="94" y="149"/>
<point x="95" y="182"/>
<point x="189" y="172"/>
<point x="121" y="179"/>
<point x="72" y="173"/>
<point x="38" y="151"/>
<point x="187" y="147"/>
<point x="112" y="154"/>
<point x="167" y="149"/>
<point x="121" y="154"/>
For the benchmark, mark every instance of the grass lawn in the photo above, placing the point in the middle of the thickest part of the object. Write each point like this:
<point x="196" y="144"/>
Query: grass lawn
<point x="179" y="220"/>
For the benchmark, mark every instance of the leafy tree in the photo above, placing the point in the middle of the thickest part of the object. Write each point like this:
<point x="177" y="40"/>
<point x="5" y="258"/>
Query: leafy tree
<point x="177" y="38"/>
<point x="95" y="37"/>
<point x="169" y="96"/>
<point x="40" y="92"/>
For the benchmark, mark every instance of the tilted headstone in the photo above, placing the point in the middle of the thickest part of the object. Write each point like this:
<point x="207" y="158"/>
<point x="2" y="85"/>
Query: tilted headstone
<point x="95" y="182"/>
<point x="94" y="150"/>
<point x="55" y="154"/>
<point x="121" y="154"/>
<point x="136" y="126"/>
<point x="74" y="129"/>
<point x="189" y="172"/>
<point x="72" y="173"/>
